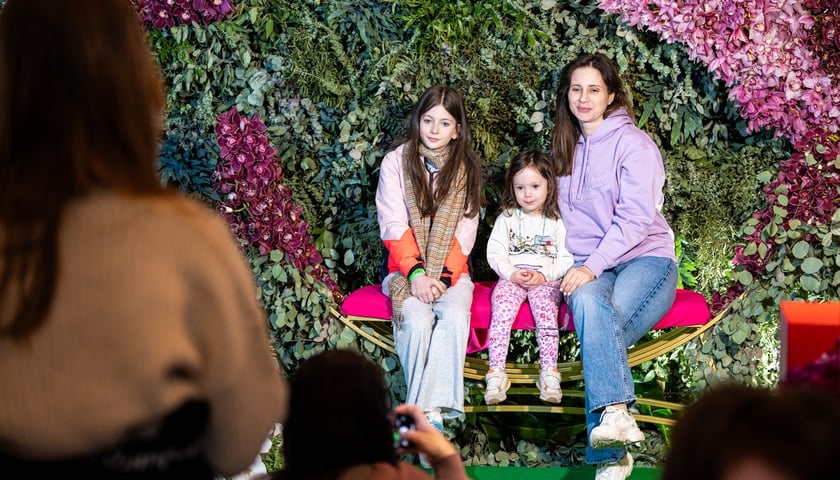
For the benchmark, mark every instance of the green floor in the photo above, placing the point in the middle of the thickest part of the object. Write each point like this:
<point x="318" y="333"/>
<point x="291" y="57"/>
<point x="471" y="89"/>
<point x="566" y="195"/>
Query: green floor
<point x="550" y="473"/>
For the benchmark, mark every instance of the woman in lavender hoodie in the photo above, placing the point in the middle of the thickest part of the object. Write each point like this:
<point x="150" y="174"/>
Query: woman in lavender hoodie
<point x="610" y="176"/>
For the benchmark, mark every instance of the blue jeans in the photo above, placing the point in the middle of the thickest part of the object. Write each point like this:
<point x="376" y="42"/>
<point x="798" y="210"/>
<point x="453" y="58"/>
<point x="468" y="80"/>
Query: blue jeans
<point x="611" y="313"/>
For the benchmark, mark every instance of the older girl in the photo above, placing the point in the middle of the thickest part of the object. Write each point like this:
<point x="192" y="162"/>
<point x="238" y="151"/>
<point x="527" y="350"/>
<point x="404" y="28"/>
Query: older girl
<point x="427" y="201"/>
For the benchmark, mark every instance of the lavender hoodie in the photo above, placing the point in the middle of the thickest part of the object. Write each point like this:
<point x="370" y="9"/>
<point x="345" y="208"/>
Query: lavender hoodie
<point x="611" y="202"/>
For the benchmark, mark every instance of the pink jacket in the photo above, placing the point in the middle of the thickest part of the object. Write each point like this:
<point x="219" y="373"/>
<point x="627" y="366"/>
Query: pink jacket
<point x="395" y="230"/>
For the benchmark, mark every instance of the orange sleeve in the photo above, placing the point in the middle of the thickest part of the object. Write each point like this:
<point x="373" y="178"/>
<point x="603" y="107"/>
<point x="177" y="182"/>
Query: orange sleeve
<point x="456" y="262"/>
<point x="403" y="253"/>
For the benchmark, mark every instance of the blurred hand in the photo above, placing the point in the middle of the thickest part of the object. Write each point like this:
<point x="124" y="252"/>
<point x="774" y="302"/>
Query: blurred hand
<point x="425" y="439"/>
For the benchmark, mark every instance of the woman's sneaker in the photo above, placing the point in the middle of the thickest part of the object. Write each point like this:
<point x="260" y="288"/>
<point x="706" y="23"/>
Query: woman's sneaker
<point x="497" y="385"/>
<point x="549" y="386"/>
<point x="617" y="428"/>
<point x="619" y="470"/>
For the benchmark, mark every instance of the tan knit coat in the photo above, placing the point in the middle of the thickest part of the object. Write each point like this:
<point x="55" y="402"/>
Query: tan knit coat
<point x="146" y="288"/>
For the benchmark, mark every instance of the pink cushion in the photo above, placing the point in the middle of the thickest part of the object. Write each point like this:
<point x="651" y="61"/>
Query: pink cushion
<point x="689" y="309"/>
<point x="367" y="301"/>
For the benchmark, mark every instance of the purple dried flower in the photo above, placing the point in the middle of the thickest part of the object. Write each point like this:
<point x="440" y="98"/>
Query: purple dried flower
<point x="168" y="13"/>
<point x="256" y="204"/>
<point x="737" y="39"/>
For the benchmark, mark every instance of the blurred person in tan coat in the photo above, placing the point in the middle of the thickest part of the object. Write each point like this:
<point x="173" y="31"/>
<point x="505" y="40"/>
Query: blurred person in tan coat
<point x="132" y="343"/>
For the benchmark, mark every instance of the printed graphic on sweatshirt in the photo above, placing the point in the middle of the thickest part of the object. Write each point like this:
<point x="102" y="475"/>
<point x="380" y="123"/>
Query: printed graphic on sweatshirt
<point x="541" y="245"/>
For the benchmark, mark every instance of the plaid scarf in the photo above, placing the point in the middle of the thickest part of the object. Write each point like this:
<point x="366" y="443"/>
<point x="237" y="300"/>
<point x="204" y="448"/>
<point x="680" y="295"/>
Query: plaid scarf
<point x="434" y="236"/>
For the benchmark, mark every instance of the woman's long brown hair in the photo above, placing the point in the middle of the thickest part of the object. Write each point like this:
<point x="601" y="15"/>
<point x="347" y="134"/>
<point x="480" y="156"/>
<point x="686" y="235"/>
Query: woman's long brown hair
<point x="81" y="109"/>
<point x="567" y="130"/>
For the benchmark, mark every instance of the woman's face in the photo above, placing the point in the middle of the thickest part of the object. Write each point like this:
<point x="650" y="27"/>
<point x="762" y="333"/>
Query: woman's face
<point x="588" y="98"/>
<point x="437" y="128"/>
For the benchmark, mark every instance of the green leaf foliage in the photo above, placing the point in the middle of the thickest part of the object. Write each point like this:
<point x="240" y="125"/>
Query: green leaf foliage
<point x="333" y="82"/>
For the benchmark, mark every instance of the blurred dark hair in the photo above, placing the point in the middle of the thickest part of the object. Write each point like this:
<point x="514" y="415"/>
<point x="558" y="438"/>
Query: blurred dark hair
<point x="790" y="430"/>
<point x="461" y="152"/>
<point x="338" y="416"/>
<point x="543" y="164"/>
<point x="567" y="130"/>
<point x="81" y="109"/>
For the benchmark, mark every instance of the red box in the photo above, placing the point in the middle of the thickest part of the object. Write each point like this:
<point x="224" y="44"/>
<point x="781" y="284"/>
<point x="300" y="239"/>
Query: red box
<point x="808" y="329"/>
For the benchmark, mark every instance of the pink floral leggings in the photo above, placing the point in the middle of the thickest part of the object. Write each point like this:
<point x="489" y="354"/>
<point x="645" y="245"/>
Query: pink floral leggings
<point x="544" y="302"/>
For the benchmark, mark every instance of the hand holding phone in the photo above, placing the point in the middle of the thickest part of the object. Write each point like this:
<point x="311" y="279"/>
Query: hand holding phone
<point x="402" y="424"/>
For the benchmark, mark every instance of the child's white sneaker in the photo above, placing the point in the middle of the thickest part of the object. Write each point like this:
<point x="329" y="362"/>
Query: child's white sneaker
<point x="549" y="386"/>
<point x="497" y="385"/>
<point x="435" y="418"/>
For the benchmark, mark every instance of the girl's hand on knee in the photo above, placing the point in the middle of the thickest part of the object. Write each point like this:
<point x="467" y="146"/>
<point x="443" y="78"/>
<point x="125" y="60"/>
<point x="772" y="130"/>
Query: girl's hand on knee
<point x="427" y="289"/>
<point x="535" y="279"/>
<point x="520" y="277"/>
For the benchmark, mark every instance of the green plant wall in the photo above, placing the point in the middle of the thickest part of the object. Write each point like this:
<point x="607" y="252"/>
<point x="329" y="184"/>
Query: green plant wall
<point x="333" y="81"/>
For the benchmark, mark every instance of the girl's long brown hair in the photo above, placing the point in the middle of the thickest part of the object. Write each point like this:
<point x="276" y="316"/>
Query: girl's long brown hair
<point x="461" y="153"/>
<point x="567" y="130"/>
<point x="81" y="109"/>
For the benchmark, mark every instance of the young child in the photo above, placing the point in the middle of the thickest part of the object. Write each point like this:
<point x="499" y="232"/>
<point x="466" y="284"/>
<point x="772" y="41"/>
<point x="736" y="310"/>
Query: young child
<point x="428" y="199"/>
<point x="527" y="250"/>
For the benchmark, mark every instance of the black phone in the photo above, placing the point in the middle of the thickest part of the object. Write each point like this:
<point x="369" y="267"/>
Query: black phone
<point x="402" y="424"/>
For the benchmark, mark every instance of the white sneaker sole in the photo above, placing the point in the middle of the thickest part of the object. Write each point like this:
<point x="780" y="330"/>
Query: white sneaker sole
<point x="598" y="441"/>
<point x="494" y="398"/>
<point x="549" y="395"/>
<point x="623" y="468"/>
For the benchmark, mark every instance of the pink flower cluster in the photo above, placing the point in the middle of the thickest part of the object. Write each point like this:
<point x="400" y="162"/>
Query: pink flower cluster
<point x="258" y="207"/>
<point x="168" y="13"/>
<point x="761" y="48"/>
<point x="783" y="62"/>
